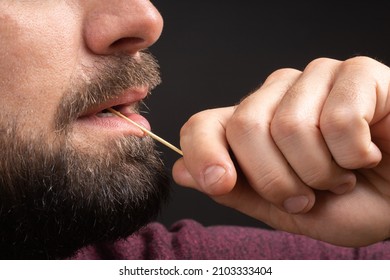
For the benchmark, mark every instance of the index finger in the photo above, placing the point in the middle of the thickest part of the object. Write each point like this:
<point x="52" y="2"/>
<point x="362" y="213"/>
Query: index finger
<point x="207" y="164"/>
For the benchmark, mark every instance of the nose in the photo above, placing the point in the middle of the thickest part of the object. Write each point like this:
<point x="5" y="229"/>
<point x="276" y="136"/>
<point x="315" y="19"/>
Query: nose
<point x="121" y="26"/>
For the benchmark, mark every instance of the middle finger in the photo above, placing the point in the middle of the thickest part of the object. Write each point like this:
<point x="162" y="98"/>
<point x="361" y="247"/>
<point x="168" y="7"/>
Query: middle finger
<point x="264" y="166"/>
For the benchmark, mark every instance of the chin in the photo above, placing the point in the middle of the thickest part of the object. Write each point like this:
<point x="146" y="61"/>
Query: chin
<point x="55" y="201"/>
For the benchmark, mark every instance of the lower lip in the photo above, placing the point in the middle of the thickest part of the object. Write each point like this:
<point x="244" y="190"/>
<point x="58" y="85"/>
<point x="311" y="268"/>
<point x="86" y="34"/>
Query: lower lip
<point x="115" y="124"/>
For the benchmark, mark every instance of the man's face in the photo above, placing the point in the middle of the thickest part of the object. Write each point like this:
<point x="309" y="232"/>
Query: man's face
<point x="70" y="173"/>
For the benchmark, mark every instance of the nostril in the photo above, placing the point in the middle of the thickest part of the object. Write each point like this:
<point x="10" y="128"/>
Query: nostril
<point x="127" y="43"/>
<point x="126" y="27"/>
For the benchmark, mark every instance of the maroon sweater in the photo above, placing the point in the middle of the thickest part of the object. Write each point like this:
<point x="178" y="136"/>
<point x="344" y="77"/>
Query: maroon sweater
<point x="188" y="239"/>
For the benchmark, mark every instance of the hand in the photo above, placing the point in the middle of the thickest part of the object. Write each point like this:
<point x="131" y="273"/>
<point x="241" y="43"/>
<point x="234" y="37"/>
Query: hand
<point x="311" y="152"/>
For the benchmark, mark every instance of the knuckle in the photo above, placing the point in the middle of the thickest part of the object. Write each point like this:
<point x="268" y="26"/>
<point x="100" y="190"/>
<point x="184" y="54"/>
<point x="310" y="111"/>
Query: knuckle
<point x="349" y="160"/>
<point x="271" y="186"/>
<point x="185" y="128"/>
<point x="319" y="62"/>
<point x="287" y="125"/>
<point x="357" y="157"/>
<point x="317" y="178"/>
<point x="283" y="73"/>
<point x="340" y="129"/>
<point x="243" y="124"/>
<point x="335" y="122"/>
<point x="193" y="121"/>
<point x="358" y="60"/>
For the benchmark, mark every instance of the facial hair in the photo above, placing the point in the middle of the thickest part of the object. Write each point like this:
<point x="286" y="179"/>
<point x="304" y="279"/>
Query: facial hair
<point x="56" y="198"/>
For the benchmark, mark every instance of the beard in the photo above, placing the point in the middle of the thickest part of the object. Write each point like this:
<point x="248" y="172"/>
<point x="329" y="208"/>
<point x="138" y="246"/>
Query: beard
<point x="56" y="197"/>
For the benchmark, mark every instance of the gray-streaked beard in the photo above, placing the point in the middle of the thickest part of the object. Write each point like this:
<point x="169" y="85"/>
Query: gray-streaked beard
<point x="54" y="199"/>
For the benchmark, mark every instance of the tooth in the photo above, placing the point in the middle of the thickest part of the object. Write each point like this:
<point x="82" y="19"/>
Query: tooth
<point x="104" y="115"/>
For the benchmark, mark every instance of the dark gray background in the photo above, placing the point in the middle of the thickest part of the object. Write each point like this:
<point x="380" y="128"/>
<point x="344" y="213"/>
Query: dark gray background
<point x="212" y="53"/>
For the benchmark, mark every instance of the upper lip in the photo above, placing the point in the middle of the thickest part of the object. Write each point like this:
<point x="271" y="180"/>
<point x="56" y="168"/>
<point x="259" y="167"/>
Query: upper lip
<point x="127" y="98"/>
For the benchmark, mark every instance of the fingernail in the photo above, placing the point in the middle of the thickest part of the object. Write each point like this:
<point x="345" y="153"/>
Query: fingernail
<point x="296" y="204"/>
<point x="349" y="182"/>
<point x="343" y="188"/>
<point x="213" y="174"/>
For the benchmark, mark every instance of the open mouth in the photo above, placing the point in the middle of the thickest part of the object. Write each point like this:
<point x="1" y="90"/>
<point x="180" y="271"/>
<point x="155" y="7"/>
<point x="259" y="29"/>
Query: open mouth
<point x="127" y="103"/>
<point x="100" y="119"/>
<point x="124" y="109"/>
<point x="105" y="113"/>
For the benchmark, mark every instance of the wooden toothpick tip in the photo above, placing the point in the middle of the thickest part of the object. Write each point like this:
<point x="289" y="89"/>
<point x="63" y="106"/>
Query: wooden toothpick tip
<point x="151" y="134"/>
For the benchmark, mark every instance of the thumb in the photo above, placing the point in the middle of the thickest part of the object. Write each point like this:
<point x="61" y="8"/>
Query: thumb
<point x="206" y="165"/>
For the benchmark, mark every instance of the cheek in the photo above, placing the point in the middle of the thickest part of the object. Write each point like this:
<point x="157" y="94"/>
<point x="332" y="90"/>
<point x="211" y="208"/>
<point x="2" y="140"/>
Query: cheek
<point x="37" y="61"/>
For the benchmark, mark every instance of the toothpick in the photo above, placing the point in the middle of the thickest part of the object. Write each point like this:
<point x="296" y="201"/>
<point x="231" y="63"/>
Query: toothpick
<point x="151" y="134"/>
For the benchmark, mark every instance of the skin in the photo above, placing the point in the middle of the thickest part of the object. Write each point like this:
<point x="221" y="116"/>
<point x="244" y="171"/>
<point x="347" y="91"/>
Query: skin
<point x="64" y="159"/>
<point x="60" y="52"/>
<point x="311" y="148"/>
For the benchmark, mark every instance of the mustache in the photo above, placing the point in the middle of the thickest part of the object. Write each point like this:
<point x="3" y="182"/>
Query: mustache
<point x="114" y="75"/>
